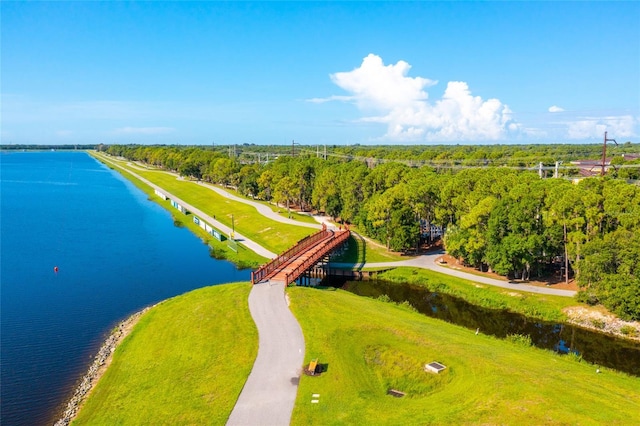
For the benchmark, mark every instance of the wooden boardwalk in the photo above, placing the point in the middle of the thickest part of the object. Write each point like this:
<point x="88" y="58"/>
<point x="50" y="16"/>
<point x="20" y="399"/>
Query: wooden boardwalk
<point x="295" y="261"/>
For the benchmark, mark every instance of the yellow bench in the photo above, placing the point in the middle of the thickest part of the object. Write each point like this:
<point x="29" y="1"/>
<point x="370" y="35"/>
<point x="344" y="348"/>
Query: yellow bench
<point x="312" y="366"/>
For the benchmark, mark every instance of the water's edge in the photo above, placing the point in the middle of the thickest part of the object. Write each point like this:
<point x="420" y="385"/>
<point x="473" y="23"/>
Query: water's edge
<point x="100" y="363"/>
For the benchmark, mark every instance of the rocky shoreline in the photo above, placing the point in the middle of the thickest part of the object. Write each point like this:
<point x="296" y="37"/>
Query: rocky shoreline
<point x="98" y="367"/>
<point x="603" y="323"/>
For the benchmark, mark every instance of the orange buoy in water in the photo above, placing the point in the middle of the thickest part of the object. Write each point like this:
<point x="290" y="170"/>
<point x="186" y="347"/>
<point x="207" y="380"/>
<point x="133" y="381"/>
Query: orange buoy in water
<point x="55" y="269"/>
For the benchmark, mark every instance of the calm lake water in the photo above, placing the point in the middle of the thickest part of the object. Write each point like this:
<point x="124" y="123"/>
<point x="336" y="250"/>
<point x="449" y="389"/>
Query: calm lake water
<point x="597" y="348"/>
<point x="116" y="253"/>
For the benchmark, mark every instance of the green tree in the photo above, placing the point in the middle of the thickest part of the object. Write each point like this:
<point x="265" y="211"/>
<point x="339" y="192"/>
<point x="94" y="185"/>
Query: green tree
<point x="286" y="190"/>
<point x="610" y="273"/>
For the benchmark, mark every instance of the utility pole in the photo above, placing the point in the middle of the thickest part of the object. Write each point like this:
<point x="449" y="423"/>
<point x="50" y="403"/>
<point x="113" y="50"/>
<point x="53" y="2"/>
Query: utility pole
<point x="604" y="151"/>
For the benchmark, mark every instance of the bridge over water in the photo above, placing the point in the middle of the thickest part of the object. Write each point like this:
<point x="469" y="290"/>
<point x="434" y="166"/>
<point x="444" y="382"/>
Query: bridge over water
<point x="295" y="261"/>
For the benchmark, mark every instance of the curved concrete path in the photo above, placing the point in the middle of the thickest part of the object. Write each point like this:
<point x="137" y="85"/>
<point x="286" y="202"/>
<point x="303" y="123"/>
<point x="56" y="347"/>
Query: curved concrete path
<point x="428" y="261"/>
<point x="262" y="209"/>
<point x="270" y="392"/>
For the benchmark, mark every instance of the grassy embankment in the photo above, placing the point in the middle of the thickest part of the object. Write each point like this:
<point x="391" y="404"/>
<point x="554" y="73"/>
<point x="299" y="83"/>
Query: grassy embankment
<point x="188" y="358"/>
<point x="371" y="346"/>
<point x="185" y="362"/>
<point x="360" y="251"/>
<point x="273" y="235"/>
<point x="541" y="306"/>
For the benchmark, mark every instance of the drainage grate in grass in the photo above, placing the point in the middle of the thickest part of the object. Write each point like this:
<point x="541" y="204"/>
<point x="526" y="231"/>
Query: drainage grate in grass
<point x="396" y="393"/>
<point x="434" y="367"/>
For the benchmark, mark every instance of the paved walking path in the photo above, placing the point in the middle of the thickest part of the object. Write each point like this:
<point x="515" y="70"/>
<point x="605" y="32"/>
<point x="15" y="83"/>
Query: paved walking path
<point x="262" y="209"/>
<point x="270" y="392"/>
<point x="428" y="261"/>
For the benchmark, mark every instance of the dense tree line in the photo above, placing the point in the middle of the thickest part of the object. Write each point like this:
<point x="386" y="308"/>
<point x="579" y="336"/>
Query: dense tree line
<point x="503" y="219"/>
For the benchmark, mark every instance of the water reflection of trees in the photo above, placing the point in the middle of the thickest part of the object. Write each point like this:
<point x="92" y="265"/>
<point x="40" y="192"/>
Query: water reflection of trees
<point x="597" y="348"/>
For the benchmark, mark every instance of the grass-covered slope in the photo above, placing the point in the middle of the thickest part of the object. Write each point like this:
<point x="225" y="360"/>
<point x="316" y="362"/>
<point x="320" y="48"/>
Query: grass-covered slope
<point x="188" y="358"/>
<point x="185" y="362"/>
<point x="534" y="305"/>
<point x="370" y="346"/>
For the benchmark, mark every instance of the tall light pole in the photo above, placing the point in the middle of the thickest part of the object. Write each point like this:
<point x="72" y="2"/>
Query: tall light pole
<point x="604" y="152"/>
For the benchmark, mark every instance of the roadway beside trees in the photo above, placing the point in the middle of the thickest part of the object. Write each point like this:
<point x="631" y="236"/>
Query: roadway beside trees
<point x="503" y="219"/>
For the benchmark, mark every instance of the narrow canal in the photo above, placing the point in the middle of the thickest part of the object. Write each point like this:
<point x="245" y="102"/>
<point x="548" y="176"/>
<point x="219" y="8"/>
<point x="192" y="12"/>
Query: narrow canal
<point x="597" y="348"/>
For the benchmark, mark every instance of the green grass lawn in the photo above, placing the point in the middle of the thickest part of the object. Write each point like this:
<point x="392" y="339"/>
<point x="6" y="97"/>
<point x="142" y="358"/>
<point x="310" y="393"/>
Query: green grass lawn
<point x="541" y="306"/>
<point x="188" y="358"/>
<point x="360" y="251"/>
<point x="370" y="346"/>
<point x="185" y="362"/>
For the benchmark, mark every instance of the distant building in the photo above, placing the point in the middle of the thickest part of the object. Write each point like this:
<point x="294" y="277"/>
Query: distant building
<point x="429" y="230"/>
<point x="588" y="168"/>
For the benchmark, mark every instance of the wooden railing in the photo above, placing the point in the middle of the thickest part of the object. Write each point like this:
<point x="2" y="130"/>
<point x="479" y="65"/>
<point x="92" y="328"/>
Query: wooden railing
<point x="272" y="266"/>
<point x="327" y="247"/>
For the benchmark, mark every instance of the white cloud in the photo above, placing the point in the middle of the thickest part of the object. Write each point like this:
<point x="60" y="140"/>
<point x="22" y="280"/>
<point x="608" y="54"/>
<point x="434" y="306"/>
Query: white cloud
<point x="402" y="104"/>
<point x="143" y="130"/>
<point x="330" y="98"/>
<point x="375" y="85"/>
<point x="555" y="108"/>
<point x="594" y="127"/>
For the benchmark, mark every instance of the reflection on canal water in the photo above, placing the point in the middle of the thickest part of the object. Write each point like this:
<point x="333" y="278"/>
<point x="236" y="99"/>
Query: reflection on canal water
<point x="597" y="348"/>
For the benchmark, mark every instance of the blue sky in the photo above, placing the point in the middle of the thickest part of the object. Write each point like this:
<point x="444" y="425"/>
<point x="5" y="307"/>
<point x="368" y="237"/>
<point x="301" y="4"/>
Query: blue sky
<point x="319" y="72"/>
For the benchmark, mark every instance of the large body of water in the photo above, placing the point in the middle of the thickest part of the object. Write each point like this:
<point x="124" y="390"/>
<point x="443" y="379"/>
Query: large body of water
<point x="116" y="253"/>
